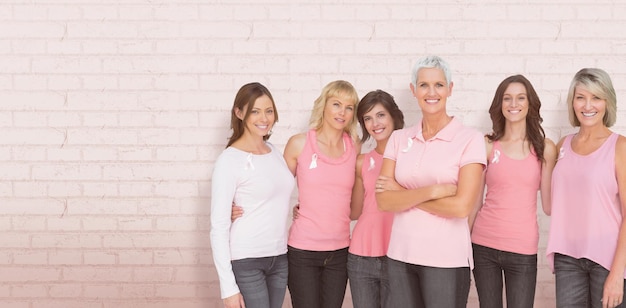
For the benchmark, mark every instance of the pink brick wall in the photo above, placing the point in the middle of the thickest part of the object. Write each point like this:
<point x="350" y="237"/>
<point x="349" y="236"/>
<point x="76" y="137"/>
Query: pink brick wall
<point x="113" y="114"/>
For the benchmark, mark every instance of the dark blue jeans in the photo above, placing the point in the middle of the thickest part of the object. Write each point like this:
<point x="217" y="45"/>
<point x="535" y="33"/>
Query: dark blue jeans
<point x="520" y="277"/>
<point x="262" y="281"/>
<point x="417" y="286"/>
<point x="579" y="282"/>
<point x="317" y="279"/>
<point x="369" y="284"/>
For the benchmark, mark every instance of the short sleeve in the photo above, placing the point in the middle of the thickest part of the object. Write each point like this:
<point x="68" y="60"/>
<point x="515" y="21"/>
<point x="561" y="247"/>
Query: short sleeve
<point x="393" y="145"/>
<point x="474" y="152"/>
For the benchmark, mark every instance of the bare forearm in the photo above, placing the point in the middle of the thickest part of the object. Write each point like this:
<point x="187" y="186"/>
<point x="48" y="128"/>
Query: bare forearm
<point x="451" y="207"/>
<point x="402" y="200"/>
<point x="619" y="260"/>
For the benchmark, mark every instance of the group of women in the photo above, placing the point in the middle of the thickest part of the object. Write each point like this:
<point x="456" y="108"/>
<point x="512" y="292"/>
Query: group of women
<point x="424" y="220"/>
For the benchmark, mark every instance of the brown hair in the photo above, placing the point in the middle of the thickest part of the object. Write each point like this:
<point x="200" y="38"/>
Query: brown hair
<point x="385" y="99"/>
<point x="534" y="132"/>
<point x="245" y="98"/>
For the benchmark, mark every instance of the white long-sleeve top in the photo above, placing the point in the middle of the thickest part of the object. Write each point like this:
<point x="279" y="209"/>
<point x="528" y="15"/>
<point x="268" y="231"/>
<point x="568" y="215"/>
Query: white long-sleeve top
<point x="262" y="186"/>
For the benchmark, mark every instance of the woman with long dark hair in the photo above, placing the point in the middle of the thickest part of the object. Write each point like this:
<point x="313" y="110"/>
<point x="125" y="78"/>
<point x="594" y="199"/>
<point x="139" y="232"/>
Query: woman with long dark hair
<point x="505" y="233"/>
<point x="250" y="252"/>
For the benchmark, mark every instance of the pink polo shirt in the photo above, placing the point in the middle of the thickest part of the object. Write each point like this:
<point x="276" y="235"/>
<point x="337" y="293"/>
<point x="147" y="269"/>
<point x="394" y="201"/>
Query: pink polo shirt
<point x="370" y="237"/>
<point x="418" y="237"/>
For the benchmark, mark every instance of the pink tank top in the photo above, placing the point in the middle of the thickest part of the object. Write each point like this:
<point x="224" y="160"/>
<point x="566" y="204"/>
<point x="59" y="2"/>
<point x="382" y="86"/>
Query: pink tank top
<point x="507" y="220"/>
<point x="370" y="237"/>
<point x="324" y="194"/>
<point x="586" y="210"/>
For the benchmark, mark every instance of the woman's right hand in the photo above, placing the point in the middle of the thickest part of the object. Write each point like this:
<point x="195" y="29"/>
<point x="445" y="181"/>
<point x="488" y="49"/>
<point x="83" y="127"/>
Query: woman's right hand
<point x="235" y="301"/>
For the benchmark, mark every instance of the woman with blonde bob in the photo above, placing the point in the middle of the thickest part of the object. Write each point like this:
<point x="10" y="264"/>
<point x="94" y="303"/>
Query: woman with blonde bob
<point x="323" y="161"/>
<point x="587" y="240"/>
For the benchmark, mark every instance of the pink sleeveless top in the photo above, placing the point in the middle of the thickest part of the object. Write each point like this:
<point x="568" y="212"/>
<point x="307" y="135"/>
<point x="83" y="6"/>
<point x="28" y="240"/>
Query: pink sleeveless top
<point x="370" y="237"/>
<point x="324" y="194"/>
<point x="586" y="210"/>
<point x="507" y="220"/>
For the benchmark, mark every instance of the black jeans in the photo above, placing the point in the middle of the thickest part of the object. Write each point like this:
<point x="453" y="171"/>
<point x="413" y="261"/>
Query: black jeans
<point x="520" y="277"/>
<point x="417" y="286"/>
<point x="579" y="282"/>
<point x="369" y="283"/>
<point x="317" y="279"/>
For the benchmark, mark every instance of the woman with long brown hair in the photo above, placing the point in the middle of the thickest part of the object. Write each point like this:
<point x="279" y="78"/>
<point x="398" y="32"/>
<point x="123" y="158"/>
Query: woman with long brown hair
<point x="505" y="232"/>
<point x="250" y="252"/>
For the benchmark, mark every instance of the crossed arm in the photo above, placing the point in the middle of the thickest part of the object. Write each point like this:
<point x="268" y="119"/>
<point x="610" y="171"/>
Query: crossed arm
<point x="446" y="200"/>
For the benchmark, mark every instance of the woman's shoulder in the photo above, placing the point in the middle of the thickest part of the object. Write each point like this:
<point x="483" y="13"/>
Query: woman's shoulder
<point x="297" y="139"/>
<point x="562" y="141"/>
<point x="549" y="149"/>
<point x="294" y="146"/>
<point x="229" y="157"/>
<point x="620" y="144"/>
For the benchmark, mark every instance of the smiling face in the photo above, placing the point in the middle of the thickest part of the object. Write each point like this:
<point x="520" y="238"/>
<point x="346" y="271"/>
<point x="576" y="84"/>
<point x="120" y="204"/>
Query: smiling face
<point x="515" y="102"/>
<point x="338" y="112"/>
<point x="378" y="123"/>
<point x="588" y="108"/>
<point x="431" y="90"/>
<point x="260" y="118"/>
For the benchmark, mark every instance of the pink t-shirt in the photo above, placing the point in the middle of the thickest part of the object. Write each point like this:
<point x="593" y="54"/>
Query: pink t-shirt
<point x="586" y="210"/>
<point x="508" y="219"/>
<point x="418" y="237"/>
<point x="324" y="194"/>
<point x="370" y="237"/>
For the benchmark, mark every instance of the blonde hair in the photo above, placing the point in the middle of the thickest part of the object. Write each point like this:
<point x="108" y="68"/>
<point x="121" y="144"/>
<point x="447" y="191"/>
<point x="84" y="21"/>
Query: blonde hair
<point x="340" y="89"/>
<point x="599" y="84"/>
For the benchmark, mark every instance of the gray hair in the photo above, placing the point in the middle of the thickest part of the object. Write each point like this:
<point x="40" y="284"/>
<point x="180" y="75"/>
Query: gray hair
<point x="430" y="62"/>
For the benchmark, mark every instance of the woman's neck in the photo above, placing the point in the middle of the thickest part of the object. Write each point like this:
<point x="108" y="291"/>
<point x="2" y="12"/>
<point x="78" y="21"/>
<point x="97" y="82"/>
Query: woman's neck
<point x="380" y="146"/>
<point x="514" y="131"/>
<point x="251" y="144"/>
<point x="593" y="132"/>
<point x="431" y="125"/>
<point x="330" y="136"/>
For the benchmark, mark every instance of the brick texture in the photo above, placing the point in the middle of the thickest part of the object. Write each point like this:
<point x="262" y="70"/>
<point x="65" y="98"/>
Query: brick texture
<point x="113" y="113"/>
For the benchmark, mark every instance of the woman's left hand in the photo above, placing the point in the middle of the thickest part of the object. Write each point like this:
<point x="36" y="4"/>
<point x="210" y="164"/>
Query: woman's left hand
<point x="613" y="293"/>
<point x="235" y="212"/>
<point x="384" y="183"/>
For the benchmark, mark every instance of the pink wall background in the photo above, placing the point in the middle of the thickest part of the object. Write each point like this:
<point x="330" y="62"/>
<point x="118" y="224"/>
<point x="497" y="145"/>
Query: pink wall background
<point x="112" y="115"/>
